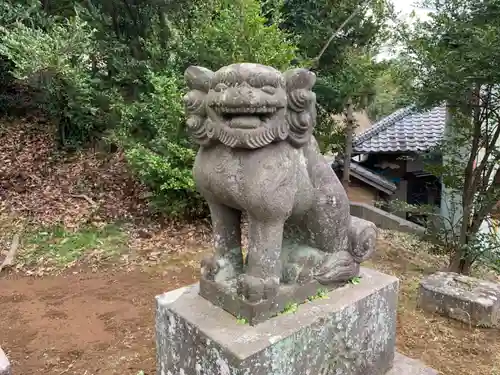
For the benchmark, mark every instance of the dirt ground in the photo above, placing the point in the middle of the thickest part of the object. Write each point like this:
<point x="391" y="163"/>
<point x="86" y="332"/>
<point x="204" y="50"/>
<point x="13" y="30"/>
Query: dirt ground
<point x="90" y="308"/>
<point x="89" y="323"/>
<point x="84" y="323"/>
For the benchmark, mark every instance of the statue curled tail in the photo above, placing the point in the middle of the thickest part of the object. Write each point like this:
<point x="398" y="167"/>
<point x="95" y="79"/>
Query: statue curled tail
<point x="343" y="265"/>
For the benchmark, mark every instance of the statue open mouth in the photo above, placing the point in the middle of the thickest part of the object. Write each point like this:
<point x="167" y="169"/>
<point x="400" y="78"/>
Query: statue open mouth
<point x="246" y="117"/>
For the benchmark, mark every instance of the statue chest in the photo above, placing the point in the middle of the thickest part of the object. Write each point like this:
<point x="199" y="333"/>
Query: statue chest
<point x="243" y="178"/>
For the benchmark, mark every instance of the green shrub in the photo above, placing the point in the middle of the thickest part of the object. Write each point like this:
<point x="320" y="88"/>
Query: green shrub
<point x="152" y="129"/>
<point x="103" y="75"/>
<point x="12" y="94"/>
<point x="157" y="147"/>
<point x="56" y="61"/>
<point x="236" y="32"/>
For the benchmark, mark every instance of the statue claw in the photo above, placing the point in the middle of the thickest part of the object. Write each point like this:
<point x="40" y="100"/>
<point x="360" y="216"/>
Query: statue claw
<point x="255" y="289"/>
<point x="217" y="268"/>
<point x="209" y="267"/>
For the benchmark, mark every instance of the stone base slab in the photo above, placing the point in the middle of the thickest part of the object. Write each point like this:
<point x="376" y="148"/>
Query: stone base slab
<point x="408" y="366"/>
<point x="467" y="299"/>
<point x="351" y="332"/>
<point x="225" y="296"/>
<point x="4" y="364"/>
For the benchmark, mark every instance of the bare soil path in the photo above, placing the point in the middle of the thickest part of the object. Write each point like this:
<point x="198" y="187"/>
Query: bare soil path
<point x="88" y="323"/>
<point x="84" y="322"/>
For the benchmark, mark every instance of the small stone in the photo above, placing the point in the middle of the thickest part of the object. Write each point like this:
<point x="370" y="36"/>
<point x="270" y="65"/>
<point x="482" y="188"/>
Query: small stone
<point x="408" y="366"/>
<point x="464" y="298"/>
<point x="5" y="368"/>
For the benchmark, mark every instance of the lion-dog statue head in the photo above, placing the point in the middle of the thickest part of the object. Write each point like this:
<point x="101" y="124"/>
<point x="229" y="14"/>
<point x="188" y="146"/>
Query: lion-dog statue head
<point x="250" y="105"/>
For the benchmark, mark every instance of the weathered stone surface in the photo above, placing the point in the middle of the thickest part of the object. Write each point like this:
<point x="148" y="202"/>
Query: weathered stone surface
<point x="385" y="220"/>
<point x="257" y="155"/>
<point x="224" y="295"/>
<point x="464" y="298"/>
<point x="352" y="332"/>
<point x="5" y="368"/>
<point x="408" y="366"/>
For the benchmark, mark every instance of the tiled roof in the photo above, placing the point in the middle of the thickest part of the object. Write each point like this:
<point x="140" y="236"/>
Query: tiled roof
<point x="367" y="176"/>
<point x="406" y="130"/>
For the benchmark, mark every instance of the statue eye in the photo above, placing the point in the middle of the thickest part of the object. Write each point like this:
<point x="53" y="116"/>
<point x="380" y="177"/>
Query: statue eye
<point x="220" y="87"/>
<point x="269" y="90"/>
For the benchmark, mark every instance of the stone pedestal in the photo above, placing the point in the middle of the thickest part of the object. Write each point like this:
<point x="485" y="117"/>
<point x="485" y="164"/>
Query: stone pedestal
<point x="225" y="297"/>
<point x="4" y="364"/>
<point x="351" y="332"/>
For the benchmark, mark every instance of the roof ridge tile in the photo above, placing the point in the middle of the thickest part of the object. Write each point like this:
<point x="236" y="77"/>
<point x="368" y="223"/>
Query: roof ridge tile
<point x="383" y="124"/>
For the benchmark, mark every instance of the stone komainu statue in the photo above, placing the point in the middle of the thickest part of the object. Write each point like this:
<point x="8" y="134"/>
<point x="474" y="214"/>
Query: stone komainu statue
<point x="258" y="155"/>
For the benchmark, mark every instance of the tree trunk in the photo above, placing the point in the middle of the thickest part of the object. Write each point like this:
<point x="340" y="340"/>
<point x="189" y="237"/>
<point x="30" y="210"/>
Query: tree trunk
<point x="348" y="144"/>
<point x="461" y="260"/>
<point x="460" y="264"/>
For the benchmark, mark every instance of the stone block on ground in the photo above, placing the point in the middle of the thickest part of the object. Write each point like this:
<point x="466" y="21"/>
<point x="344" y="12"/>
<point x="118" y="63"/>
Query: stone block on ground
<point x="352" y="332"/>
<point x="408" y="366"/>
<point x="464" y="298"/>
<point x="5" y="368"/>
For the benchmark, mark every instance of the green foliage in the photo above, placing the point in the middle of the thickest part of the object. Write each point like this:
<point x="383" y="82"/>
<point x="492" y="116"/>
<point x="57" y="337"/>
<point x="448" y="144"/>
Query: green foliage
<point x="290" y="308"/>
<point x="455" y="53"/>
<point x="320" y="294"/>
<point x="329" y="133"/>
<point x="169" y="176"/>
<point x="12" y="13"/>
<point x="392" y="88"/>
<point x="345" y="69"/>
<point x="242" y="321"/>
<point x="236" y="32"/>
<point x="355" y="280"/>
<point x="354" y="77"/>
<point x="55" y="61"/>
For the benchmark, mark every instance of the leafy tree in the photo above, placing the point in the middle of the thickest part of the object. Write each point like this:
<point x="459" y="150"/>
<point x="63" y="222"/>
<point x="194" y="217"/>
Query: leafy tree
<point x="27" y="12"/>
<point x="456" y="54"/>
<point x="345" y="68"/>
<point x="114" y="69"/>
<point x="339" y="41"/>
<point x="392" y="87"/>
<point x="236" y="32"/>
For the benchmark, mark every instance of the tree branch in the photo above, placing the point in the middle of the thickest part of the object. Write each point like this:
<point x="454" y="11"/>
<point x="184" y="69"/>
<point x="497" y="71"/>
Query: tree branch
<point x="487" y="207"/>
<point x="482" y="165"/>
<point x="9" y="259"/>
<point x="476" y="136"/>
<point x="315" y="61"/>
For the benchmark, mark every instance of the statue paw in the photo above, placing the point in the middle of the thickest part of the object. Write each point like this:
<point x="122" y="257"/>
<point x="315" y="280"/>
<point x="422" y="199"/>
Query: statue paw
<point x="209" y="267"/>
<point x="255" y="289"/>
<point x="338" y="267"/>
<point x="217" y="268"/>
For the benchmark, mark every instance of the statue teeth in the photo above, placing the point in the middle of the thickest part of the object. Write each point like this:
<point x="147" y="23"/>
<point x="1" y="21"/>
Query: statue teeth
<point x="249" y="110"/>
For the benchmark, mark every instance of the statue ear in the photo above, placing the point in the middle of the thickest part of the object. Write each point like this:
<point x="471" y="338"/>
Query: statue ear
<point x="299" y="78"/>
<point x="198" y="78"/>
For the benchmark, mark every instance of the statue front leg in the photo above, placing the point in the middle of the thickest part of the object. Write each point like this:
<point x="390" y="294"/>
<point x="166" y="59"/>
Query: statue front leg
<point x="262" y="277"/>
<point x="227" y="262"/>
